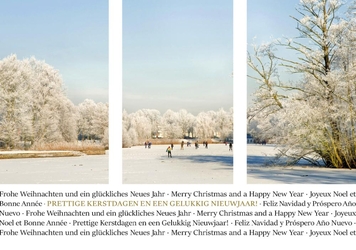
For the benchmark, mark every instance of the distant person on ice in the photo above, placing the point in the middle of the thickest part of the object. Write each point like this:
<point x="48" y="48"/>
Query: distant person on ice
<point x="182" y="145"/>
<point x="230" y="146"/>
<point x="169" y="150"/>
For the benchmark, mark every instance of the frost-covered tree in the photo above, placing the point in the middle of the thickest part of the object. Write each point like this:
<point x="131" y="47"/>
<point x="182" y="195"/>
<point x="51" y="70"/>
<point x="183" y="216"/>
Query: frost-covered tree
<point x="316" y="119"/>
<point x="101" y="120"/>
<point x="224" y="123"/>
<point x="205" y="124"/>
<point x="33" y="104"/>
<point x="86" y="117"/>
<point x="48" y="102"/>
<point x="170" y="125"/>
<point x="34" y="108"/>
<point x="185" y="121"/>
<point x="141" y="124"/>
<point x="126" y="140"/>
<point x="267" y="99"/>
<point x="68" y="121"/>
<point x="154" y="118"/>
<point x="231" y="119"/>
<point x="93" y="120"/>
<point x="14" y="98"/>
<point x="136" y="128"/>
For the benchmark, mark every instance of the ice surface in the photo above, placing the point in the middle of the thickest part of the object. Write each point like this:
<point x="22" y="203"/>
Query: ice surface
<point x="261" y="170"/>
<point x="91" y="169"/>
<point x="212" y="165"/>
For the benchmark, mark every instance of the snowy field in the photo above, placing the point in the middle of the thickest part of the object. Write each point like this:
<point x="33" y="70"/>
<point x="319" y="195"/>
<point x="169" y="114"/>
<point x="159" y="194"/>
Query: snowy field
<point x="213" y="165"/>
<point x="261" y="171"/>
<point x="89" y="169"/>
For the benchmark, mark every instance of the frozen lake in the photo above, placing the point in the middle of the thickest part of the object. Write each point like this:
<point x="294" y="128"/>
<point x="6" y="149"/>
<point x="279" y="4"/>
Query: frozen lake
<point x="88" y="169"/>
<point x="261" y="171"/>
<point x="212" y="165"/>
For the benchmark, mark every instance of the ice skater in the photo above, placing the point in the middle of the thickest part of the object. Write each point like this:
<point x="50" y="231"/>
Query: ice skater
<point x="169" y="151"/>
<point x="230" y="146"/>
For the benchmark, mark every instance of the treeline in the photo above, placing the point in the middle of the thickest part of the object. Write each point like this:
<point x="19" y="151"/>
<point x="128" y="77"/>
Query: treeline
<point x="34" y="108"/>
<point x="150" y="124"/>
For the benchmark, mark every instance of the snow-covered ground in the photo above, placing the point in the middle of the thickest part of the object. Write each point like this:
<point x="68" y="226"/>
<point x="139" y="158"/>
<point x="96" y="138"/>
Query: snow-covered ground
<point x="261" y="171"/>
<point x="88" y="169"/>
<point x="212" y="165"/>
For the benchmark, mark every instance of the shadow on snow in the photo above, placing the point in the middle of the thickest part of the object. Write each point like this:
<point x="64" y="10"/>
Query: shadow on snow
<point x="264" y="167"/>
<point x="222" y="160"/>
<point x="309" y="176"/>
<point x="260" y="160"/>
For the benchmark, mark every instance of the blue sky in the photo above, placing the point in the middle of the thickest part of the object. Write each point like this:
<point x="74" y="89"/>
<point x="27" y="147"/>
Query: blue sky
<point x="71" y="36"/>
<point x="177" y="55"/>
